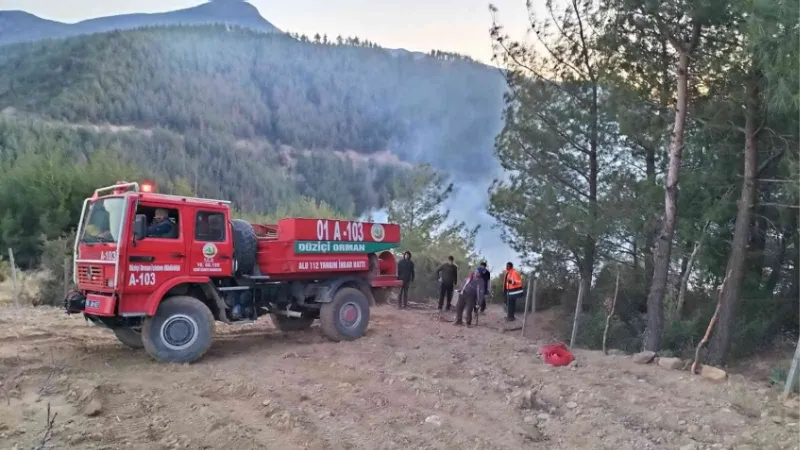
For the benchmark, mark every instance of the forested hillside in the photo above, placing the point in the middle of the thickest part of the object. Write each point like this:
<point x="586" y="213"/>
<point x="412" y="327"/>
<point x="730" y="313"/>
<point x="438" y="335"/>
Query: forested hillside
<point x="259" y="119"/>
<point x="326" y="95"/>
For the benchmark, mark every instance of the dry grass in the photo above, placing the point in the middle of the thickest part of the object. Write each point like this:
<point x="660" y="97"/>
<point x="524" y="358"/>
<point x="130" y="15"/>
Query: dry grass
<point x="29" y="283"/>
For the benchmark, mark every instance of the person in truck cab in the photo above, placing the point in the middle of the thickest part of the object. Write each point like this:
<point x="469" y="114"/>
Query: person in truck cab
<point x="405" y="272"/>
<point x="161" y="227"/>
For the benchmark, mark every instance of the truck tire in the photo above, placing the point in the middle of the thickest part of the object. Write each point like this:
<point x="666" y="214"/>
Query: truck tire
<point x="129" y="336"/>
<point x="181" y="330"/>
<point x="245" y="246"/>
<point x="285" y="323"/>
<point x="346" y="317"/>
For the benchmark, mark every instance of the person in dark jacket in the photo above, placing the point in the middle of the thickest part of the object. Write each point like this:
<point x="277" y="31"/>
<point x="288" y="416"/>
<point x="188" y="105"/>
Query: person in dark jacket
<point x="161" y="227"/>
<point x="448" y="278"/>
<point x="405" y="272"/>
<point x="487" y="276"/>
<point x="471" y="293"/>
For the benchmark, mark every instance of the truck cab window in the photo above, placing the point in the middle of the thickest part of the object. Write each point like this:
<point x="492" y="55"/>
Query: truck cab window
<point x="209" y="227"/>
<point x="103" y="220"/>
<point x="162" y="223"/>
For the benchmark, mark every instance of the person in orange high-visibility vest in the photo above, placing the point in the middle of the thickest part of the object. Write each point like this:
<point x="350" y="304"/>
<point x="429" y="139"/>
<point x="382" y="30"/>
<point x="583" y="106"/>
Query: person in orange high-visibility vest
<point x="512" y="288"/>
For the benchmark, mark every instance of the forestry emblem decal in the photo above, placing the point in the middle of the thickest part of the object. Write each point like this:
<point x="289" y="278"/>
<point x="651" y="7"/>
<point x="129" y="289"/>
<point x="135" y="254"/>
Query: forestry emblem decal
<point x="377" y="232"/>
<point x="209" y="251"/>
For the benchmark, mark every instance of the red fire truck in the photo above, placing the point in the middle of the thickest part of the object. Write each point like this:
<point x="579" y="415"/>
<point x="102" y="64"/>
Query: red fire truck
<point x="159" y="270"/>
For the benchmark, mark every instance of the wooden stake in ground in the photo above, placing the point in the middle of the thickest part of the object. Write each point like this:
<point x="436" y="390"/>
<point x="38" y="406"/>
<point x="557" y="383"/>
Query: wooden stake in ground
<point x="578" y="306"/>
<point x="14" y="285"/>
<point x="610" y="314"/>
<point x="711" y="323"/>
<point x="66" y="275"/>
<point x="791" y="378"/>
<point x="531" y="292"/>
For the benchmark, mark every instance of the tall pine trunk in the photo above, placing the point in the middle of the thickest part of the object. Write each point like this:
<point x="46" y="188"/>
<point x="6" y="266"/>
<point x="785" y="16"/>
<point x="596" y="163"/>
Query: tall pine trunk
<point x="664" y="97"/>
<point x="663" y="250"/>
<point x="590" y="244"/>
<point x="737" y="260"/>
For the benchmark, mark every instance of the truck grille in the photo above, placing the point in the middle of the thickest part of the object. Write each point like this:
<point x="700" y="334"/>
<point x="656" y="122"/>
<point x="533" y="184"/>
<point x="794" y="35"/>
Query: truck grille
<point x="90" y="276"/>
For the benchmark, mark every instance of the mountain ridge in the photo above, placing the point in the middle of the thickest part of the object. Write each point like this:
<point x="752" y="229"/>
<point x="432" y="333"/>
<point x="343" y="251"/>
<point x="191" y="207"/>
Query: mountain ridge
<point x="20" y="26"/>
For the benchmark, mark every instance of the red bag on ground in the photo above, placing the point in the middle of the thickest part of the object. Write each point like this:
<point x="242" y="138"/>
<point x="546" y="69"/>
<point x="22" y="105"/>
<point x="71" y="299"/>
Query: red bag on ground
<point x="556" y="354"/>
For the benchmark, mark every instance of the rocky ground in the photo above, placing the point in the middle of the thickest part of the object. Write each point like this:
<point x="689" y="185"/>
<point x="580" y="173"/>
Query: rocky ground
<point x="414" y="382"/>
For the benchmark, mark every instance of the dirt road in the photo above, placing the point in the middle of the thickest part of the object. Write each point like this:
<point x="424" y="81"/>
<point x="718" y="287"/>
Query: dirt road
<point x="412" y="383"/>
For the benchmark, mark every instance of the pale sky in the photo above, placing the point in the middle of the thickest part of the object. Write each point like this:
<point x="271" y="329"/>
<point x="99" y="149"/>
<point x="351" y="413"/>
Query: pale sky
<point x="454" y="25"/>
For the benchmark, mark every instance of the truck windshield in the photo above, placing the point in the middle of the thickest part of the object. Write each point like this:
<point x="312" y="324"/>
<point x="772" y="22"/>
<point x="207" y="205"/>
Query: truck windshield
<point x="103" y="220"/>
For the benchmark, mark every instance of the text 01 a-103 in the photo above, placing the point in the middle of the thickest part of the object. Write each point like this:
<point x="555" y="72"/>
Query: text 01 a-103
<point x="347" y="231"/>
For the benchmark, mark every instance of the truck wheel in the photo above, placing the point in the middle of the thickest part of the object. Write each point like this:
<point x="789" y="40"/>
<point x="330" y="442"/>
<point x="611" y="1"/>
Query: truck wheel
<point x="285" y="323"/>
<point x="346" y="317"/>
<point x="130" y="337"/>
<point x="181" y="330"/>
<point x="245" y="246"/>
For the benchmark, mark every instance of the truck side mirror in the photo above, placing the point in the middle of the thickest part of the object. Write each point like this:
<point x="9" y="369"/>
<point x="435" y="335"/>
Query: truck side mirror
<point x="140" y="227"/>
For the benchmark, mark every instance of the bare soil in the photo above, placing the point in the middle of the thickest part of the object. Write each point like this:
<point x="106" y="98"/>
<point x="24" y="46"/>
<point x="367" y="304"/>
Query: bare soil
<point x="414" y="382"/>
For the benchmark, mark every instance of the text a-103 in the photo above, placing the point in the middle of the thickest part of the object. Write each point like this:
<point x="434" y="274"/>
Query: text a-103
<point x="142" y="279"/>
<point x="335" y="230"/>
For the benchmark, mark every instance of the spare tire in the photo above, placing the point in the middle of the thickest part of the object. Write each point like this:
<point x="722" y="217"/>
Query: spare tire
<point x="245" y="247"/>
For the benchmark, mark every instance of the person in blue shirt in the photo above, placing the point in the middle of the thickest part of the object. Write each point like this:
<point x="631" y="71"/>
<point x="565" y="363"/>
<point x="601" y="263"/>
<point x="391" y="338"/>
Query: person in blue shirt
<point x="161" y="227"/>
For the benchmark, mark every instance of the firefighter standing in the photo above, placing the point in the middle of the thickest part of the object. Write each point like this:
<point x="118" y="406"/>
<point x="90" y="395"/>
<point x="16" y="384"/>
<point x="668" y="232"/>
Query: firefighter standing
<point x="405" y="272"/>
<point x="487" y="276"/>
<point x="471" y="293"/>
<point x="448" y="278"/>
<point x="512" y="288"/>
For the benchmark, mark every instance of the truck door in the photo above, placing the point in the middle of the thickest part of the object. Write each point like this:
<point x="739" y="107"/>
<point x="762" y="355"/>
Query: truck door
<point x="211" y="246"/>
<point x="160" y="256"/>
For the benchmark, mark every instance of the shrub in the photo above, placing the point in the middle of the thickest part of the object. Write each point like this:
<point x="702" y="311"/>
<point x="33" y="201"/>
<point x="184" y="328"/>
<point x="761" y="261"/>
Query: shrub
<point x="56" y="258"/>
